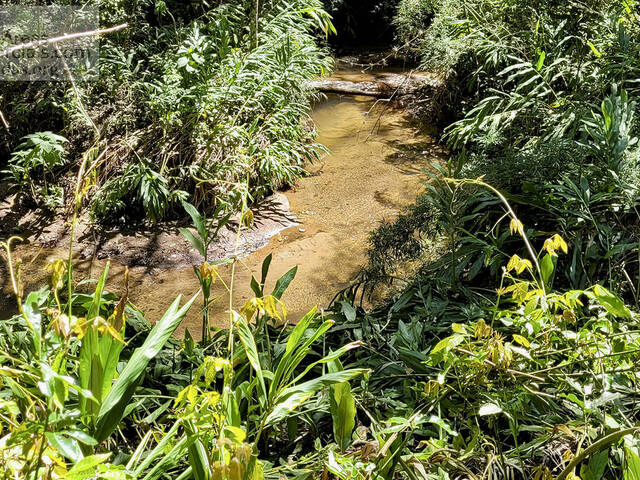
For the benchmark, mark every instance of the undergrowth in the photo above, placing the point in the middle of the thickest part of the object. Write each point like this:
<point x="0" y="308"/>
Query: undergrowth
<point x="189" y="103"/>
<point x="510" y="353"/>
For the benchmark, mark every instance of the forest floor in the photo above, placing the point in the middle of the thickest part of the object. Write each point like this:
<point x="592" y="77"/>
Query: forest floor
<point x="154" y="245"/>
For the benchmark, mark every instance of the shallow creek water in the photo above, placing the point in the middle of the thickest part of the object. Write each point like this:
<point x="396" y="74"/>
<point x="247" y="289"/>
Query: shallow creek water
<point x="373" y="171"/>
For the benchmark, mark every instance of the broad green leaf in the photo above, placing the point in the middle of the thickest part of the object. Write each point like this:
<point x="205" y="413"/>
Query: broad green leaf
<point x="291" y="398"/>
<point x="632" y="464"/>
<point x="94" y="309"/>
<point x="193" y="240"/>
<point x="31" y="309"/>
<point x="256" y="287"/>
<point x="343" y="409"/>
<point x="265" y="269"/>
<point x="531" y="305"/>
<point x="330" y="358"/>
<point x="348" y="311"/>
<point x="117" y="399"/>
<point x="251" y="350"/>
<point x="198" y="458"/>
<point x="610" y="302"/>
<point x="541" y="56"/>
<point x="594" y="469"/>
<point x="81" y="437"/>
<point x="99" y="356"/>
<point x="236" y="434"/>
<point x="546" y="268"/>
<point x="293" y="342"/>
<point x="198" y="220"/>
<point x="90" y="372"/>
<point x="283" y="282"/>
<point x="299" y="329"/>
<point x="110" y="349"/>
<point x="521" y="340"/>
<point x="447" y="344"/>
<point x="299" y="355"/>
<point x="68" y="447"/>
<point x="458" y="328"/>
<point x="86" y="467"/>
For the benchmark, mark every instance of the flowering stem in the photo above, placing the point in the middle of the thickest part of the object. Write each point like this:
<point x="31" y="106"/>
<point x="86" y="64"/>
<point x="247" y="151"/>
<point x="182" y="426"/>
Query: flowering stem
<point x="512" y="214"/>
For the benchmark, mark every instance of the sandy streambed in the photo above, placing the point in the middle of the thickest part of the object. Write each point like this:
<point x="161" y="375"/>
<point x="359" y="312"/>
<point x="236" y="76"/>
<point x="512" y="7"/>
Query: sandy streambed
<point x="321" y="225"/>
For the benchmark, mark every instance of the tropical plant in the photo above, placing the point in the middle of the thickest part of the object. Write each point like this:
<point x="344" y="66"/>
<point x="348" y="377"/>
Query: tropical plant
<point x="207" y="272"/>
<point x="527" y="382"/>
<point x="72" y="379"/>
<point x="61" y="388"/>
<point x="32" y="167"/>
<point x="195" y="100"/>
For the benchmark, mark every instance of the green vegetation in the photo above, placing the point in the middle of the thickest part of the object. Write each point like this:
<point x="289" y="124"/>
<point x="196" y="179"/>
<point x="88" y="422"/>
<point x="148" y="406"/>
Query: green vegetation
<point x="33" y="163"/>
<point x="190" y="102"/>
<point x="508" y="354"/>
<point x="74" y="391"/>
<point x="510" y="347"/>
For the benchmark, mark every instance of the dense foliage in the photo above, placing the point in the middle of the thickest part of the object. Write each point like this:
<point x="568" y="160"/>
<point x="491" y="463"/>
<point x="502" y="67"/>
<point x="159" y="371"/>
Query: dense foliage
<point x="500" y="376"/>
<point x="189" y="102"/>
<point x="544" y="111"/>
<point x="511" y="345"/>
<point x="78" y="401"/>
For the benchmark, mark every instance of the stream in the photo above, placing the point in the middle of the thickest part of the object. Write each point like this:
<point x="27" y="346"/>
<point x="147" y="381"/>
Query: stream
<point x="373" y="171"/>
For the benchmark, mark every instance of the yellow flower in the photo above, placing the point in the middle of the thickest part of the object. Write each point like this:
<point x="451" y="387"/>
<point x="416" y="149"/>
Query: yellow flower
<point x="247" y="218"/>
<point x="498" y="353"/>
<point x="250" y="308"/>
<point x="518" y="264"/>
<point x="482" y="330"/>
<point x="207" y="271"/>
<point x="61" y="324"/>
<point x="516" y="227"/>
<point x="57" y="268"/>
<point x="551" y="245"/>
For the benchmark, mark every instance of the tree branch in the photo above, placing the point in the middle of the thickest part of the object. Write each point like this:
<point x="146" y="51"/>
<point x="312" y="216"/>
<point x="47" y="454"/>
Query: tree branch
<point x="61" y="38"/>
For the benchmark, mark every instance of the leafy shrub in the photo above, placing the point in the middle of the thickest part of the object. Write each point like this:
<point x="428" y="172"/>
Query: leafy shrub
<point x="72" y="386"/>
<point x="32" y="166"/>
<point x="212" y="104"/>
<point x="140" y="185"/>
<point x="501" y="384"/>
<point x="526" y="80"/>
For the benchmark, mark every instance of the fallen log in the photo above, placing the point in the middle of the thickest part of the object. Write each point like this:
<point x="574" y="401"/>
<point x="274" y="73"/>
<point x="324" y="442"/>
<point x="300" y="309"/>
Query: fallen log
<point x="343" y="87"/>
<point x="383" y="85"/>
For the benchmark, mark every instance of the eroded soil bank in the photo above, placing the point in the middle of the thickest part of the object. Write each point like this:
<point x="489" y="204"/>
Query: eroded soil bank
<point x="321" y="225"/>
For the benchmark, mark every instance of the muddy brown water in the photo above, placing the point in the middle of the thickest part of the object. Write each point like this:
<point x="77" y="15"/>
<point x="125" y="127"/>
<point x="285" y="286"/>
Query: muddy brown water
<point x="373" y="171"/>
